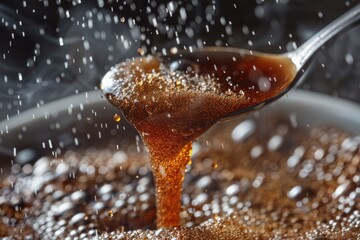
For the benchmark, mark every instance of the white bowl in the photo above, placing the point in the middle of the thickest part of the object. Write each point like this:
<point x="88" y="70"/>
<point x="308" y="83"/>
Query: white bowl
<point x="83" y="119"/>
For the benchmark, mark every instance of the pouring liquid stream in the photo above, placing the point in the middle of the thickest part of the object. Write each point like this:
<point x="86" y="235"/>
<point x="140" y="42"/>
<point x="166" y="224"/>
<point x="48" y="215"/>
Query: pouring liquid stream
<point x="171" y="100"/>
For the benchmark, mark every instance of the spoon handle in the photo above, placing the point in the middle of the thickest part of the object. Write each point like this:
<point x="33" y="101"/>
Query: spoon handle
<point x="306" y="50"/>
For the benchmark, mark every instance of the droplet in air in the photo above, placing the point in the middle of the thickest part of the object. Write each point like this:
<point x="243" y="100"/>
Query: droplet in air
<point x="243" y="131"/>
<point x="117" y="117"/>
<point x="61" y="41"/>
<point x="214" y="165"/>
<point x="110" y="213"/>
<point x="187" y="132"/>
<point x="141" y="51"/>
<point x="174" y="50"/>
<point x="349" y="59"/>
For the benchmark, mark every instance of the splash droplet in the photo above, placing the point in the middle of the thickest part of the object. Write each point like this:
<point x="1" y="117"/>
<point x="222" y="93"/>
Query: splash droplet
<point x="111" y="213"/>
<point x="117" y="117"/>
<point x="214" y="165"/>
<point x="141" y="51"/>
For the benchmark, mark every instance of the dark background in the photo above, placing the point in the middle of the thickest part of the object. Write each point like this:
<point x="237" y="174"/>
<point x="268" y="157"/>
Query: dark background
<point x="56" y="48"/>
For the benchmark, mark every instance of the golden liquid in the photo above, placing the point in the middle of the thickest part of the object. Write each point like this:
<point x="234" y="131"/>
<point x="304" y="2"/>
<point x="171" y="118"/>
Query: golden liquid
<point x="304" y="186"/>
<point x="171" y="109"/>
<point x="89" y="193"/>
<point x="117" y="117"/>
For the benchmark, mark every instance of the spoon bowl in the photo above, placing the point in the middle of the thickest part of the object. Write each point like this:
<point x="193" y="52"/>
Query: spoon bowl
<point x="173" y="100"/>
<point x="269" y="86"/>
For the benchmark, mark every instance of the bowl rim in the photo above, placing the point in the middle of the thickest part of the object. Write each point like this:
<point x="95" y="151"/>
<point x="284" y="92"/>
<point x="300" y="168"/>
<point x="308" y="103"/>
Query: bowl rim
<point x="303" y="108"/>
<point x="301" y="99"/>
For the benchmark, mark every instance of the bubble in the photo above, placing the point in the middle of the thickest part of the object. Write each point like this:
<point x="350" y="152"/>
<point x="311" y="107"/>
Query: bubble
<point x="187" y="132"/>
<point x="26" y="156"/>
<point x="107" y="188"/>
<point x="343" y="189"/>
<point x="63" y="208"/>
<point x="256" y="152"/>
<point x="349" y="59"/>
<point x="264" y="84"/>
<point x="203" y="182"/>
<point x="184" y="65"/>
<point x="214" y="165"/>
<point x="232" y="190"/>
<point x="275" y="142"/>
<point x="243" y="131"/>
<point x="293" y="161"/>
<point x="77" y="218"/>
<point x="235" y="197"/>
<point x="295" y="192"/>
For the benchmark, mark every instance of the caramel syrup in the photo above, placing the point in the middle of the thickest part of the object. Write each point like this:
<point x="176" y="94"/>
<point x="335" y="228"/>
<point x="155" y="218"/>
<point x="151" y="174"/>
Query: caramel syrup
<point x="171" y="101"/>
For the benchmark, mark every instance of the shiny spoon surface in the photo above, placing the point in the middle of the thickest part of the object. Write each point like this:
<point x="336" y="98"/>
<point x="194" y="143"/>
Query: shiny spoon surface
<point x="239" y="80"/>
<point x="171" y="100"/>
<point x="199" y="60"/>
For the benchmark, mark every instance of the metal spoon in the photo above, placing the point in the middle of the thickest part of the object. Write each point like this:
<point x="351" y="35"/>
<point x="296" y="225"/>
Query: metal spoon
<point x="199" y="61"/>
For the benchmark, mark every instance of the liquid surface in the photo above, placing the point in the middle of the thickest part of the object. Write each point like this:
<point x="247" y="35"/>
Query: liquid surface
<point x="246" y="182"/>
<point x="173" y="103"/>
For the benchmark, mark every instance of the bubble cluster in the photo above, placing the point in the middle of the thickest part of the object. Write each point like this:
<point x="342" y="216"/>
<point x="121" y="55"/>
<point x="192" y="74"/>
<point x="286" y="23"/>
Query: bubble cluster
<point x="141" y="77"/>
<point x="109" y="192"/>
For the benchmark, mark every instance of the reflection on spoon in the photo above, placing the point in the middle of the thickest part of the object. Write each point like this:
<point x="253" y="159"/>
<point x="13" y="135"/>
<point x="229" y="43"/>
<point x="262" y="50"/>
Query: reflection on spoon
<point x="171" y="100"/>
<point x="275" y="73"/>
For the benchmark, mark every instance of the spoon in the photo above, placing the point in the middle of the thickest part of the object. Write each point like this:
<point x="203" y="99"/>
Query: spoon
<point x="171" y="100"/>
<point x="223" y="81"/>
<point x="274" y="83"/>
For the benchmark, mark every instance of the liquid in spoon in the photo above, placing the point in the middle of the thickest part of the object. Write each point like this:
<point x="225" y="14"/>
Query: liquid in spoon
<point x="172" y="103"/>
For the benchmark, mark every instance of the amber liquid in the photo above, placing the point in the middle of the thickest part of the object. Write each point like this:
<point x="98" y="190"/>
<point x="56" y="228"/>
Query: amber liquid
<point x="171" y="109"/>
